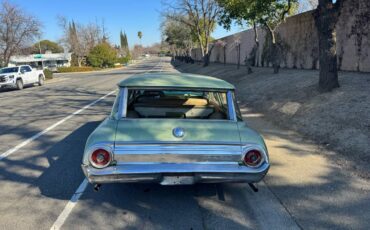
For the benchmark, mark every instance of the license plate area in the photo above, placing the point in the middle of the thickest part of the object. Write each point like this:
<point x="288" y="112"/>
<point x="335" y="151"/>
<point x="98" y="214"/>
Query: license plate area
<point x="177" y="179"/>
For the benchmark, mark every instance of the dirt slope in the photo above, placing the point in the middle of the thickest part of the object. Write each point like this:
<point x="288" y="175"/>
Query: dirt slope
<point x="339" y="121"/>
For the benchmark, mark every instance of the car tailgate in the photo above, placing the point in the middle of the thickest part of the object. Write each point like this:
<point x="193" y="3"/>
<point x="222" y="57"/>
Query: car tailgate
<point x="152" y="141"/>
<point x="161" y="130"/>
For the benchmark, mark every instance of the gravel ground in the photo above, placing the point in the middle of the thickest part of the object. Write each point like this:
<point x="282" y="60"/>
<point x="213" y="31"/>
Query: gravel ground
<point x="339" y="121"/>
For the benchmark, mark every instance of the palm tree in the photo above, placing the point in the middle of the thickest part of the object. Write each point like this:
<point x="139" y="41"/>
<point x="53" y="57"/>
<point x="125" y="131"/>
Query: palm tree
<point x="140" y="35"/>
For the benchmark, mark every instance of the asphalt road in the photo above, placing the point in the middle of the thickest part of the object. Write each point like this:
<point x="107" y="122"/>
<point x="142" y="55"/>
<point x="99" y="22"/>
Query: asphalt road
<point x="42" y="134"/>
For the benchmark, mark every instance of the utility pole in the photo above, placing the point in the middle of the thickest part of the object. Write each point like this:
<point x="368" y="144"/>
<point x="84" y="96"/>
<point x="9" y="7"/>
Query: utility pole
<point x="42" y="63"/>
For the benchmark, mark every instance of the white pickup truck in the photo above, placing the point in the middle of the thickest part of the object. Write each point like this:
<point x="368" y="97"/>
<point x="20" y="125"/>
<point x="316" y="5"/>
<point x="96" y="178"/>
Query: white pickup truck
<point x="20" y="76"/>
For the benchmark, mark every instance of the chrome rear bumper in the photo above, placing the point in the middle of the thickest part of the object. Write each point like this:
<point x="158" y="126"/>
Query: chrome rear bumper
<point x="175" y="174"/>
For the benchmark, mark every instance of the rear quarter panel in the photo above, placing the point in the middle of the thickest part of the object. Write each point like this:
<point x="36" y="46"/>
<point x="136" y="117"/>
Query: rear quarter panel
<point x="250" y="136"/>
<point x="105" y="132"/>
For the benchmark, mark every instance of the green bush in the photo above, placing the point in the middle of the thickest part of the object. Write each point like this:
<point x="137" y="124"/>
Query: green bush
<point x="48" y="74"/>
<point x="103" y="55"/>
<point x="76" y="69"/>
<point x="124" y="60"/>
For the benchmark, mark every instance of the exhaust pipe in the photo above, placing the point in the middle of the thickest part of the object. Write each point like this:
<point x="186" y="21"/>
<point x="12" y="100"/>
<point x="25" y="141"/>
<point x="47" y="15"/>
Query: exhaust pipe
<point x="97" y="187"/>
<point x="253" y="187"/>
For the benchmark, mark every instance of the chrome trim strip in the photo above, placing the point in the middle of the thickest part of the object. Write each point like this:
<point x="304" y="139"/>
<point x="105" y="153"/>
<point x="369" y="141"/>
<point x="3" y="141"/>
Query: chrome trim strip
<point x="181" y="119"/>
<point x="177" y="153"/>
<point x="211" y="89"/>
<point x="177" y="168"/>
<point x="124" y="103"/>
<point x="195" y="163"/>
<point x="231" y="106"/>
<point x="120" y="104"/>
<point x="178" y="143"/>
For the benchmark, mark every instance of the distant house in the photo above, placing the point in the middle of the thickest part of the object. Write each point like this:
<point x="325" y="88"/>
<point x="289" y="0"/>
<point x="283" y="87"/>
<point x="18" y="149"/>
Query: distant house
<point x="41" y="61"/>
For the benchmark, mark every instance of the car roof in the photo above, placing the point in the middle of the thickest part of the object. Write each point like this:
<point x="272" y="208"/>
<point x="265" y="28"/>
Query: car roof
<point x="175" y="80"/>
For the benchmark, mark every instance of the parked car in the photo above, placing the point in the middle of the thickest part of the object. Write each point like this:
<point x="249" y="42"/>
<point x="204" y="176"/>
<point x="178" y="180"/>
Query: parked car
<point x="19" y="76"/>
<point x="174" y="129"/>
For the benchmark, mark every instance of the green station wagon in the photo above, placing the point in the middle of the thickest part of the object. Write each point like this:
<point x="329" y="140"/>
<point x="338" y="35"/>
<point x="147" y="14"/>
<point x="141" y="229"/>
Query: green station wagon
<point x="175" y="129"/>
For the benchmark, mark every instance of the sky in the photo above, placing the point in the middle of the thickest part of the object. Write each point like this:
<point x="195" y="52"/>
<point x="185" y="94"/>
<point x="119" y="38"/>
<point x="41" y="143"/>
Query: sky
<point x="130" y="16"/>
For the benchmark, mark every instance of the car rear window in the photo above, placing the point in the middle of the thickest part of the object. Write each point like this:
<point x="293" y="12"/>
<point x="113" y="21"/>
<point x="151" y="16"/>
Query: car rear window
<point x="148" y="103"/>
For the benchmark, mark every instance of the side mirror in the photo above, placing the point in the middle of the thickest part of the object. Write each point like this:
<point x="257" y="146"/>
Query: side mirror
<point x="23" y="71"/>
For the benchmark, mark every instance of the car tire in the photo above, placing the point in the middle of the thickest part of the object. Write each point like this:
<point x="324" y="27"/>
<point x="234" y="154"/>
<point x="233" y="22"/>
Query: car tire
<point x="19" y="84"/>
<point x="41" y="80"/>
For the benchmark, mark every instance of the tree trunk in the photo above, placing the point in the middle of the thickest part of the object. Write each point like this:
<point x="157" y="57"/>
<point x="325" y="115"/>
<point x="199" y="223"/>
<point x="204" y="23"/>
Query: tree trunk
<point x="238" y="55"/>
<point x="256" y="40"/>
<point x="5" y="61"/>
<point x="326" y="17"/>
<point x="275" y="58"/>
<point x="206" y="60"/>
<point x="249" y="67"/>
<point x="274" y="50"/>
<point x="79" y="60"/>
<point x="6" y="57"/>
<point x="207" y="56"/>
<point x="328" y="58"/>
<point x="224" y="55"/>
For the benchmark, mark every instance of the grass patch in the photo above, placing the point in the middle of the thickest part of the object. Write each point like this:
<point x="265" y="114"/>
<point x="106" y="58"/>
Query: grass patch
<point x="77" y="69"/>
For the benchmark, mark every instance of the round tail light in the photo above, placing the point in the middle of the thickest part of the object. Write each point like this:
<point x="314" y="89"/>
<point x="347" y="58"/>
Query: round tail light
<point x="100" y="158"/>
<point x="252" y="158"/>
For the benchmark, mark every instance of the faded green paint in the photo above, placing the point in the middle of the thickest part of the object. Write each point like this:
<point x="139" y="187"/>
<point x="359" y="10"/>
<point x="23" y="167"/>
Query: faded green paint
<point x="248" y="135"/>
<point x="160" y="130"/>
<point x="175" y="80"/>
<point x="105" y="132"/>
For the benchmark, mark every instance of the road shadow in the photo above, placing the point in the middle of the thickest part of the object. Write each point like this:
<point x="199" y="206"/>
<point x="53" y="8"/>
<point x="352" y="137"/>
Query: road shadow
<point x="63" y="175"/>
<point x="52" y="104"/>
<point x="164" y="207"/>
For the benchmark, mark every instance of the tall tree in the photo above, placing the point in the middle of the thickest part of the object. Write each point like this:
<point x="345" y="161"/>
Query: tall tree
<point x="326" y="16"/>
<point x="46" y="45"/>
<point x="243" y="12"/>
<point x="200" y="16"/>
<point x="122" y="40"/>
<point x="81" y="39"/>
<point x="102" y="55"/>
<point x="126" y="45"/>
<point x="17" y="29"/>
<point x="177" y="36"/>
<point x="140" y="35"/>
<point x="268" y="13"/>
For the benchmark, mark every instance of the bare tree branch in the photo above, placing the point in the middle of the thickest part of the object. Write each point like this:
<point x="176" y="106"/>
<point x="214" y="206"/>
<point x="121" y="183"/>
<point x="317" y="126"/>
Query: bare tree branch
<point x="17" y="30"/>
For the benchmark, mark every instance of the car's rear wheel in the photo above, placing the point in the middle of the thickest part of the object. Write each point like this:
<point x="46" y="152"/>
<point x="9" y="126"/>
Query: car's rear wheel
<point x="19" y="84"/>
<point x="41" y="80"/>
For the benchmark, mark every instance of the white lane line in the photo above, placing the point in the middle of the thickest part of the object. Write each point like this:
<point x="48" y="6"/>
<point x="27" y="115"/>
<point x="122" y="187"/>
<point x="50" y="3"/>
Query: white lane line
<point x="34" y="137"/>
<point x="70" y="205"/>
<point x="80" y="190"/>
